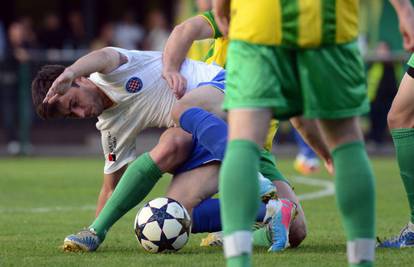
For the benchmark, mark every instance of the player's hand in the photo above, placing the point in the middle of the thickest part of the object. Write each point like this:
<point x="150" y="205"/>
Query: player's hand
<point x="176" y="82"/>
<point x="329" y="166"/>
<point x="62" y="83"/>
<point x="406" y="19"/>
<point x="221" y="11"/>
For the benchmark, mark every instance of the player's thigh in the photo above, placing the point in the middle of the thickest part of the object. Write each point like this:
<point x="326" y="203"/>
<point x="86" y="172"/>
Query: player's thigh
<point x="173" y="149"/>
<point x="341" y="131"/>
<point x="298" y="229"/>
<point x="401" y="114"/>
<point x="191" y="187"/>
<point x="249" y="124"/>
<point x="333" y="82"/>
<point x="206" y="97"/>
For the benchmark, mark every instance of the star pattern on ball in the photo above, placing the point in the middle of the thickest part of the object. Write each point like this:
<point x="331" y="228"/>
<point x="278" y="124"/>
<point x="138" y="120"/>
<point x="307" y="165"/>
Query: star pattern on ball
<point x="160" y="215"/>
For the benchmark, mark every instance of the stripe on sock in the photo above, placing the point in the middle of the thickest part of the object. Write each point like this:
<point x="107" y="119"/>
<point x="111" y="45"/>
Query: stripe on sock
<point x="361" y="249"/>
<point x="237" y="243"/>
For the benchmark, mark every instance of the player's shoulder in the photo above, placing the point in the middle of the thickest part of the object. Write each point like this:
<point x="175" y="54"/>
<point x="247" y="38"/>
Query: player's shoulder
<point x="209" y="17"/>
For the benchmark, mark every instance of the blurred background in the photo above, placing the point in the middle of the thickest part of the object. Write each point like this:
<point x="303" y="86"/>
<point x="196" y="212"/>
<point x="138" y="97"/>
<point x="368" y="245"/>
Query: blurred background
<point x="33" y="33"/>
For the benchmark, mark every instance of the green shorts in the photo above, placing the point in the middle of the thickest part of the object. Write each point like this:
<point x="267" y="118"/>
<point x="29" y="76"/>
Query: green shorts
<point x="268" y="167"/>
<point x="326" y="82"/>
<point x="411" y="61"/>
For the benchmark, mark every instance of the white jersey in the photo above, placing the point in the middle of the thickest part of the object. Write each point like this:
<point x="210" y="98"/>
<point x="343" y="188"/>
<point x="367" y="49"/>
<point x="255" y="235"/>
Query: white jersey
<point x="142" y="99"/>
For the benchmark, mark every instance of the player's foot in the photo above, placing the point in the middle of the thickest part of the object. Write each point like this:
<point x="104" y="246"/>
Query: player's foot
<point x="305" y="165"/>
<point x="267" y="189"/>
<point x="84" y="241"/>
<point x="403" y="240"/>
<point x="212" y="240"/>
<point x="284" y="211"/>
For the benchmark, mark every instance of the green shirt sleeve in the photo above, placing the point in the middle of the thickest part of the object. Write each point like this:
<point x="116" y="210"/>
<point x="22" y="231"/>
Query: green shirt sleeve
<point x="208" y="15"/>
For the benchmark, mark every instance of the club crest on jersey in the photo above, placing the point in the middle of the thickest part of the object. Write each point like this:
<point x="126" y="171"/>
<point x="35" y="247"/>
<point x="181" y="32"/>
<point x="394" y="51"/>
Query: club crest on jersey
<point x="134" y="85"/>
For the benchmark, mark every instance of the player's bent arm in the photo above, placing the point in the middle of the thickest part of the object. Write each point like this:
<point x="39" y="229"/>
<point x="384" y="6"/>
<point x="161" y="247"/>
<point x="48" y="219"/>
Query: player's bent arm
<point x="108" y="186"/>
<point x="310" y="132"/>
<point x="104" y="60"/>
<point x="181" y="39"/>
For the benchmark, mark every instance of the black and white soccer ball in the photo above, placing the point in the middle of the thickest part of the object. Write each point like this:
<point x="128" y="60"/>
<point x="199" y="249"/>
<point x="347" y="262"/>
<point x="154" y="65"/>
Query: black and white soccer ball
<point x="163" y="224"/>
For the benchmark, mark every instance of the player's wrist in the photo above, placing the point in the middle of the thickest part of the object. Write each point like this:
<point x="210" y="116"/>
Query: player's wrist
<point x="70" y="73"/>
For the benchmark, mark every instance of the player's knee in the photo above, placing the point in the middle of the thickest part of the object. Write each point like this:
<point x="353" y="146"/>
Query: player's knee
<point x="397" y="119"/>
<point x="172" y="150"/>
<point x="178" y="109"/>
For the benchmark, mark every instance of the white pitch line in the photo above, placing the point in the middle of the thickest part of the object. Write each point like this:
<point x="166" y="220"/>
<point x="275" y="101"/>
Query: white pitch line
<point x="328" y="189"/>
<point x="47" y="209"/>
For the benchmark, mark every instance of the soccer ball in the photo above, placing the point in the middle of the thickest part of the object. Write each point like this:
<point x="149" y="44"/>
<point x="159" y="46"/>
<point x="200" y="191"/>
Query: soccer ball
<point x="162" y="224"/>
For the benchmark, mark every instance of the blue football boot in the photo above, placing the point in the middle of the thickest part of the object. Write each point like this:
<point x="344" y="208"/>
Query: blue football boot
<point x="403" y="240"/>
<point x="282" y="212"/>
<point x="84" y="241"/>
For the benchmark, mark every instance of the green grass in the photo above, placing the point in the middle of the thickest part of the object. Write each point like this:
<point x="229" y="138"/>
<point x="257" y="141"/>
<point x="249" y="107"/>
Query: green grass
<point x="42" y="200"/>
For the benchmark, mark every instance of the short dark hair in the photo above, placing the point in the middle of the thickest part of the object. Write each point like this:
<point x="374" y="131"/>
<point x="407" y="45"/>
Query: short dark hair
<point x="40" y="86"/>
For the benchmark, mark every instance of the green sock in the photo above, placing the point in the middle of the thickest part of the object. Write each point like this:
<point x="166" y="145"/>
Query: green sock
<point x="137" y="181"/>
<point x="261" y="238"/>
<point x="404" y="147"/>
<point x="239" y="192"/>
<point x="355" y="191"/>
<point x="242" y="261"/>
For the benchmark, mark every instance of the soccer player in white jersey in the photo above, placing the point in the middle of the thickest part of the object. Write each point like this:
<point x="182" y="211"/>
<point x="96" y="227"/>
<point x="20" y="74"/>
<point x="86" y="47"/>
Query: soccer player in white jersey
<point x="127" y="95"/>
<point x="125" y="91"/>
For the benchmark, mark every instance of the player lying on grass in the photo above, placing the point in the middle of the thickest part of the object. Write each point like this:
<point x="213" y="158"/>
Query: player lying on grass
<point x="124" y="118"/>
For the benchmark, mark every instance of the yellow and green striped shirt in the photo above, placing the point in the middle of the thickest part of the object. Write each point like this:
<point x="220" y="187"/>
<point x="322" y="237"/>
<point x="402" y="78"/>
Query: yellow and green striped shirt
<point x="294" y="23"/>
<point x="218" y="50"/>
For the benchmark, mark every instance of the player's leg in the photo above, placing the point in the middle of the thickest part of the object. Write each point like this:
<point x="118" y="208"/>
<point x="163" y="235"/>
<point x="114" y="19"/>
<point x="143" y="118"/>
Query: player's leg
<point x="337" y="74"/>
<point x="253" y="94"/>
<point x="356" y="203"/>
<point x="191" y="187"/>
<point x="138" y="180"/>
<point x="206" y="97"/>
<point x="238" y="178"/>
<point x="108" y="186"/>
<point x="401" y="124"/>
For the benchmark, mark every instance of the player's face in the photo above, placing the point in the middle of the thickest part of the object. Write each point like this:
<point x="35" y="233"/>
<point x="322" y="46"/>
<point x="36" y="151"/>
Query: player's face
<point x="81" y="101"/>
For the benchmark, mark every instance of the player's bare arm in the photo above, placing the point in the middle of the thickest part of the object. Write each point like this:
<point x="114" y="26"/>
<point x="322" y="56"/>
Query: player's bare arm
<point x="221" y="10"/>
<point x="311" y="133"/>
<point x="103" y="61"/>
<point x="405" y="12"/>
<point x="176" y="49"/>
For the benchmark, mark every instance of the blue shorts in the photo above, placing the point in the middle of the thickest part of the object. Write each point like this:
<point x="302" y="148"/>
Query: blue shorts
<point x="199" y="156"/>
<point x="219" y="81"/>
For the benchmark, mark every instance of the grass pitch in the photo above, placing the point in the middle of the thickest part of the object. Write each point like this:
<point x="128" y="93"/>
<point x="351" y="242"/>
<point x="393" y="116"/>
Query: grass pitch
<point x="42" y="200"/>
